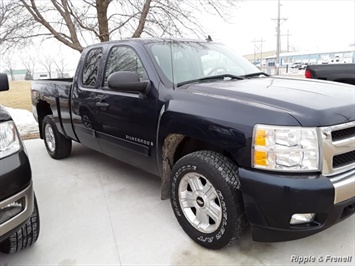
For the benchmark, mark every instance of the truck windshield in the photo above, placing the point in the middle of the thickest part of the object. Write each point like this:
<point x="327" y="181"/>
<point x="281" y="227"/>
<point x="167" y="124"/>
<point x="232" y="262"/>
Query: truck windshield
<point x="184" y="61"/>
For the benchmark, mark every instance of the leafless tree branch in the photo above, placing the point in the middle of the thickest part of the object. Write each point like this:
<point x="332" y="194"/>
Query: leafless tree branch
<point x="75" y="23"/>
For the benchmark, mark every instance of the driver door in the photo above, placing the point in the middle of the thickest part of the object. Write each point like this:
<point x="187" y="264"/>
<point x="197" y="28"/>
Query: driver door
<point x="127" y="122"/>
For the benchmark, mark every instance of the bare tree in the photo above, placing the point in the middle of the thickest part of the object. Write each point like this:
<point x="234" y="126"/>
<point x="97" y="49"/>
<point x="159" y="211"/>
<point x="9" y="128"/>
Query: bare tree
<point x="10" y="63"/>
<point x="16" y="27"/>
<point x="47" y="62"/>
<point x="60" y="65"/>
<point x="29" y="62"/>
<point x="73" y="22"/>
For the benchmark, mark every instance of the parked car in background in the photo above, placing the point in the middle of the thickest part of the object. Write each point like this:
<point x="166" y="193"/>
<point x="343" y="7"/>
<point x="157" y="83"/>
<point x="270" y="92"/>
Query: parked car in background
<point x="344" y="73"/>
<point x="19" y="217"/>
<point x="303" y="66"/>
<point x="296" y="65"/>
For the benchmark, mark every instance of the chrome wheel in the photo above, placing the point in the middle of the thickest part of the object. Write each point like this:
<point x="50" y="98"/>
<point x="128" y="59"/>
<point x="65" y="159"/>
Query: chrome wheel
<point x="200" y="202"/>
<point x="49" y="137"/>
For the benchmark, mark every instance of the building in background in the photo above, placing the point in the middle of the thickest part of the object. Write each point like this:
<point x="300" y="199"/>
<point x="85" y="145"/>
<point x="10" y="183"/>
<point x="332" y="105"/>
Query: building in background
<point x="315" y="57"/>
<point x="259" y="59"/>
<point x="17" y="74"/>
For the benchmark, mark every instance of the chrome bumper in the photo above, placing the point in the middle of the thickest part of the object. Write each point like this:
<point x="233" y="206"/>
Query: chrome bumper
<point x="344" y="186"/>
<point x="21" y="217"/>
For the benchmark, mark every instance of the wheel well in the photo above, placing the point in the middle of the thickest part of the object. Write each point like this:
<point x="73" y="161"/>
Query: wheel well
<point x="43" y="109"/>
<point x="177" y="146"/>
<point x="189" y="145"/>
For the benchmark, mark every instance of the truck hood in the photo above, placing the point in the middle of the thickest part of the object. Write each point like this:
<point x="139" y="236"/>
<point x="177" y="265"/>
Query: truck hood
<point x="311" y="103"/>
<point x="4" y="115"/>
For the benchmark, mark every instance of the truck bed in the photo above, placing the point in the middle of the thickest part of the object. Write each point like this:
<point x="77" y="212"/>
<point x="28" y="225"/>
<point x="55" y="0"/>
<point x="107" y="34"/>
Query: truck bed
<point x="55" y="92"/>
<point x="333" y="72"/>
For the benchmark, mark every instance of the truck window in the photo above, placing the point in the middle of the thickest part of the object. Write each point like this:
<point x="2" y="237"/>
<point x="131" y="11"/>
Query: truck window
<point x="183" y="61"/>
<point x="123" y="58"/>
<point x="91" y="67"/>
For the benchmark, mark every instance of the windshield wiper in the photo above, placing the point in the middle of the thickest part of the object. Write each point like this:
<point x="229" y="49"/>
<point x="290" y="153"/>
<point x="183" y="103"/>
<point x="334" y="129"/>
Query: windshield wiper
<point x="255" y="74"/>
<point x="222" y="76"/>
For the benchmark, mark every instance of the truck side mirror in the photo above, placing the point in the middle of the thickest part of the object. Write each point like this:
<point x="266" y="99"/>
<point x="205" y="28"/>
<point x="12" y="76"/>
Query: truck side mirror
<point x="129" y="82"/>
<point x="4" y="83"/>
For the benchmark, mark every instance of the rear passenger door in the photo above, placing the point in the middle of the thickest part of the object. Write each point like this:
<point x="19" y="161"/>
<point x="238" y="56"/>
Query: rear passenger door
<point x="83" y="97"/>
<point x="127" y="122"/>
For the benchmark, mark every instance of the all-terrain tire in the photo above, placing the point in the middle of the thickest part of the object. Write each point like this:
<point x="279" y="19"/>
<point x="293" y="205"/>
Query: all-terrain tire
<point x="206" y="199"/>
<point x="58" y="146"/>
<point x="26" y="236"/>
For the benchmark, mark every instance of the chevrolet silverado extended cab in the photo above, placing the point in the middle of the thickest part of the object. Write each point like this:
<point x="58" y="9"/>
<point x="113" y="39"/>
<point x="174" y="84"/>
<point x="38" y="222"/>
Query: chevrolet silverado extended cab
<point x="344" y="73"/>
<point x="19" y="218"/>
<point x="234" y="147"/>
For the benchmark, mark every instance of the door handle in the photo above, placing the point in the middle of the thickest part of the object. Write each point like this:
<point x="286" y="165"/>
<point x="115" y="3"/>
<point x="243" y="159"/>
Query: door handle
<point x="102" y="104"/>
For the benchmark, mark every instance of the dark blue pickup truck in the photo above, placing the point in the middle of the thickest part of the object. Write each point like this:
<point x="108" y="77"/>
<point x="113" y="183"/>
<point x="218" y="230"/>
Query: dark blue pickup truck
<point x="19" y="217"/>
<point x="234" y="147"/>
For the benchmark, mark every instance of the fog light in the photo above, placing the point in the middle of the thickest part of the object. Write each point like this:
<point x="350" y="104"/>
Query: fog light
<point x="302" y="218"/>
<point x="11" y="210"/>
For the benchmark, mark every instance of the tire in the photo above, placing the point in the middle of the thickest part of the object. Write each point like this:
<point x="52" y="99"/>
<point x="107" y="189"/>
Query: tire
<point x="57" y="145"/>
<point x="26" y="236"/>
<point x="206" y="199"/>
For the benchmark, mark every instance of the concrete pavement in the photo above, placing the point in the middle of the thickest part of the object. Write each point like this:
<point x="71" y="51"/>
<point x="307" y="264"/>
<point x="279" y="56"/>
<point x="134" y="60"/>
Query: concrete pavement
<point x="95" y="210"/>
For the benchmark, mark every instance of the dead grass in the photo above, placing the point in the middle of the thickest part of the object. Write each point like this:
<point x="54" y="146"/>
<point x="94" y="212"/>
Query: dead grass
<point x="19" y="95"/>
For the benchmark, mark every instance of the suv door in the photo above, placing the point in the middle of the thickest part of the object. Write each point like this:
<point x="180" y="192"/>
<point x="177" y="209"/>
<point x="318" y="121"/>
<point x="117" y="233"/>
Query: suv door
<point x="127" y="122"/>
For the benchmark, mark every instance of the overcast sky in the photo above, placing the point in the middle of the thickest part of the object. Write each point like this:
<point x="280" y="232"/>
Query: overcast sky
<point x="312" y="25"/>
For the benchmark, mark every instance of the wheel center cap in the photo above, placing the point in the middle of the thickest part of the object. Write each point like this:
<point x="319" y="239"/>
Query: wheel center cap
<point x="200" y="202"/>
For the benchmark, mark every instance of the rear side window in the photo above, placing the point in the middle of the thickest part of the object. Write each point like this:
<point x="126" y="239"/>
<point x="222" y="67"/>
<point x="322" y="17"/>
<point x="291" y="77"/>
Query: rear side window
<point x="123" y="58"/>
<point x="91" y="67"/>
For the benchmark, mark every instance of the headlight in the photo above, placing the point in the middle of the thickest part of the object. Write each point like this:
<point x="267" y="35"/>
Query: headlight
<point x="285" y="148"/>
<point x="9" y="140"/>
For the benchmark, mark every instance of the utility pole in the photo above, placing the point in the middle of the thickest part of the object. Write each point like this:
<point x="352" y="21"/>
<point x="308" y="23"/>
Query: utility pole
<point x="278" y="41"/>
<point x="288" y="39"/>
<point x="258" y="49"/>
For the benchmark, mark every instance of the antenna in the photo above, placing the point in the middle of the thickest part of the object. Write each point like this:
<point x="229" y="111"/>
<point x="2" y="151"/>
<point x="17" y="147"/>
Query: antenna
<point x="172" y="63"/>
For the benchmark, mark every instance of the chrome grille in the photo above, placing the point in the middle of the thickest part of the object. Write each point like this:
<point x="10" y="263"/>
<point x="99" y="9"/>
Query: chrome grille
<point x="338" y="145"/>
<point x="343" y="159"/>
<point x="343" y="134"/>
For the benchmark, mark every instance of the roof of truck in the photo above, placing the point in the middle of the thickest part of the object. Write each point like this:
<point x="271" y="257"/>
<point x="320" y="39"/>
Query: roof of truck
<point x="151" y="40"/>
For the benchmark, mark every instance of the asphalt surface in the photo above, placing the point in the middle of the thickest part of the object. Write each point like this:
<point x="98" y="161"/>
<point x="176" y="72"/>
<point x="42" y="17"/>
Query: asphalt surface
<point x="97" y="211"/>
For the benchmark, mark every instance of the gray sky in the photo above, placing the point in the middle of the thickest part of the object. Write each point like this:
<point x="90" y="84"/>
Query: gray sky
<point x="312" y="24"/>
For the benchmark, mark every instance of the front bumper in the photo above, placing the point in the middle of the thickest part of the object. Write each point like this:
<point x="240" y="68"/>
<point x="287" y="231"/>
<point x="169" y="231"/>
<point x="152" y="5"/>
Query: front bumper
<point x="271" y="199"/>
<point x="13" y="222"/>
<point x="15" y="174"/>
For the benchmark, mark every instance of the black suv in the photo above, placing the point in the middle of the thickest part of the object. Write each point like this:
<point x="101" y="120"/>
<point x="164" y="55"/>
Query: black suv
<point x="19" y="217"/>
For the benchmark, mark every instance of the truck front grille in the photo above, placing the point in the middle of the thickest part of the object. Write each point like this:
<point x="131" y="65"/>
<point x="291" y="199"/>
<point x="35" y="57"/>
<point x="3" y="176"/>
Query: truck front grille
<point x="338" y="143"/>
<point x="343" y="134"/>
<point x="343" y="159"/>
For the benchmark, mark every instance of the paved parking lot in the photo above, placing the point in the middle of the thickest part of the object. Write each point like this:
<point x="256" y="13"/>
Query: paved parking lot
<point x="97" y="211"/>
